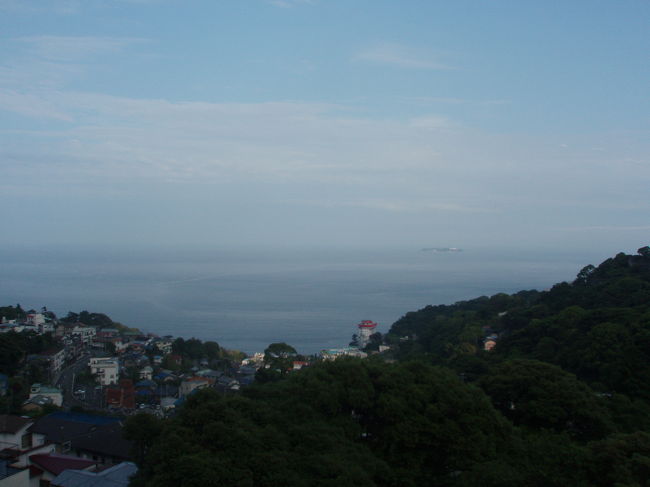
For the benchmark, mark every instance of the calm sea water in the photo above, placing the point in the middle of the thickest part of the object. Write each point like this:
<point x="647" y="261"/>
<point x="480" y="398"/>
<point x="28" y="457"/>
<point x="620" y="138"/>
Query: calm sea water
<point x="248" y="298"/>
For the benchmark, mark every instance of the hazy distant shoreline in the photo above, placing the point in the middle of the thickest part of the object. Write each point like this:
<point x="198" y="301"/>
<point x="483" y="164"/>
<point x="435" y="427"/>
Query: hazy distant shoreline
<point x="246" y="299"/>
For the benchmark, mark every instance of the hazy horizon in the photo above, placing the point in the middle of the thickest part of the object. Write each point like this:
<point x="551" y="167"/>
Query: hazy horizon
<point x="248" y="298"/>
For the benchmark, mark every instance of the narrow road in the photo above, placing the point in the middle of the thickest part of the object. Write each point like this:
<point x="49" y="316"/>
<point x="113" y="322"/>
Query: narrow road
<point x="66" y="380"/>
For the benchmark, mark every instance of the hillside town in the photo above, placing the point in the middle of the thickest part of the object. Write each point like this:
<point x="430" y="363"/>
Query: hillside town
<point x="71" y="383"/>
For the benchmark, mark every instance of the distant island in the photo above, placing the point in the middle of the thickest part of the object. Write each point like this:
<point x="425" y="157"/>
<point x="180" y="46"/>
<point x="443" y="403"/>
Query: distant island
<point x="441" y="249"/>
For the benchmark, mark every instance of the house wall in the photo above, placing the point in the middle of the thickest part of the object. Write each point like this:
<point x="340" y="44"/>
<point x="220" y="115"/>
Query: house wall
<point x="20" y="479"/>
<point x="15" y="439"/>
<point x="86" y="333"/>
<point x="189" y="386"/>
<point x="36" y="480"/>
<point x="22" y="460"/>
<point x="106" y="370"/>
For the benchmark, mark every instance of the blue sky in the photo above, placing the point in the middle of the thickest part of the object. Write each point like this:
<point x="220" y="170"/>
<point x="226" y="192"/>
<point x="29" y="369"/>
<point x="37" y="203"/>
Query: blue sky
<point x="325" y="122"/>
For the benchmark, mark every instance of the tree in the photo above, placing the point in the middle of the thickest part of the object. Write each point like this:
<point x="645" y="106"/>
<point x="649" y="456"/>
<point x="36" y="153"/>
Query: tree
<point x="621" y="460"/>
<point x="142" y="430"/>
<point x="71" y="317"/>
<point x="278" y="360"/>
<point x="178" y="346"/>
<point x="539" y="395"/>
<point x="584" y="274"/>
<point x="212" y="350"/>
<point x="374" y="341"/>
<point x="279" y="350"/>
<point x="193" y="348"/>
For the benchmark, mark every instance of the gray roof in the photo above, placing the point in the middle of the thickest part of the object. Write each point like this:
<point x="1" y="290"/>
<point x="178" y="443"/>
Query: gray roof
<point x="104" y="439"/>
<point x="116" y="476"/>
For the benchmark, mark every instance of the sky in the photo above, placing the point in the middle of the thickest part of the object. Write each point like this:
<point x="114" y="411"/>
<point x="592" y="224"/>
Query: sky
<point x="325" y="122"/>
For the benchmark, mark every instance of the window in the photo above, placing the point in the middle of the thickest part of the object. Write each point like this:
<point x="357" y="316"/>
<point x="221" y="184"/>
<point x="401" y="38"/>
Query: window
<point x="26" y="441"/>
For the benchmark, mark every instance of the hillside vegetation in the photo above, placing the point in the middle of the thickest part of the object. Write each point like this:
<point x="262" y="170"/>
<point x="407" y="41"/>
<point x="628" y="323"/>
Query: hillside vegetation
<point x="562" y="399"/>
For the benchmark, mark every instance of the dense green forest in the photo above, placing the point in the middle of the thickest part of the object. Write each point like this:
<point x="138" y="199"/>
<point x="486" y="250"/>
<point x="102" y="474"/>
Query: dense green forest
<point x="562" y="399"/>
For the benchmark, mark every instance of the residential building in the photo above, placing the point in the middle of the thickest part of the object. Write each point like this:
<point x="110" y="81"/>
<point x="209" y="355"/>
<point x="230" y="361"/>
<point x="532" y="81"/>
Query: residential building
<point x="87" y="333"/>
<point x="299" y="364"/>
<point x="98" y="438"/>
<point x="122" y="397"/>
<point x="36" y="403"/>
<point x="11" y="476"/>
<point x="56" y="358"/>
<point x="47" y="327"/>
<point x="334" y="353"/>
<point x="35" y="319"/>
<point x="105" y="369"/>
<point x="164" y="345"/>
<point x="193" y="383"/>
<point x="45" y="467"/>
<point x="47" y="391"/>
<point x="146" y="372"/>
<point x="14" y="432"/>
<point x="108" y="333"/>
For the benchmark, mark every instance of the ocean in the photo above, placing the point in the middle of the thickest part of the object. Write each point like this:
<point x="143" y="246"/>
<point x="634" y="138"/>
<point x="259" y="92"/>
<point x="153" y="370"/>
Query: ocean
<point x="246" y="298"/>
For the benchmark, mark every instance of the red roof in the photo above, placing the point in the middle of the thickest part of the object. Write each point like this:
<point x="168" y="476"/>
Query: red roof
<point x="56" y="464"/>
<point x="123" y="397"/>
<point x="367" y="324"/>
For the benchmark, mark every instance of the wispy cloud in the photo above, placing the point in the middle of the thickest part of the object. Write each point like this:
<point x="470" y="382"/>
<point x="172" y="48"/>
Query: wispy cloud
<point x="72" y="48"/>
<point x="397" y="55"/>
<point x="432" y="122"/>
<point x="62" y="7"/>
<point x="609" y="228"/>
<point x="45" y="7"/>
<point x="31" y="105"/>
<point x="289" y="3"/>
<point x="406" y="206"/>
<point x="456" y="101"/>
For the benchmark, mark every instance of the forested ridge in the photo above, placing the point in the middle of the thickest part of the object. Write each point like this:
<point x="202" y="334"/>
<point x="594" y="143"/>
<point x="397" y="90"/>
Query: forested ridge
<point x="561" y="399"/>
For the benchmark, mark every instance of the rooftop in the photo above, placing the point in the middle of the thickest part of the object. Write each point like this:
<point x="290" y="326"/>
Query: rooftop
<point x="56" y="464"/>
<point x="41" y="389"/>
<point x="10" y="423"/>
<point x="116" y="476"/>
<point x="83" y="418"/>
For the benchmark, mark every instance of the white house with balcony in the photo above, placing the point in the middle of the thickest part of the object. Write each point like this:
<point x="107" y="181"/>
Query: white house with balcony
<point x="86" y="333"/>
<point x="56" y="358"/>
<point x="106" y="370"/>
<point x="35" y="319"/>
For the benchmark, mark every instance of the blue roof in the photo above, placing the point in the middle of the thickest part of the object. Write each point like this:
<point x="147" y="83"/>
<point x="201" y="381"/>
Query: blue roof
<point x="115" y="476"/>
<point x="84" y="418"/>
